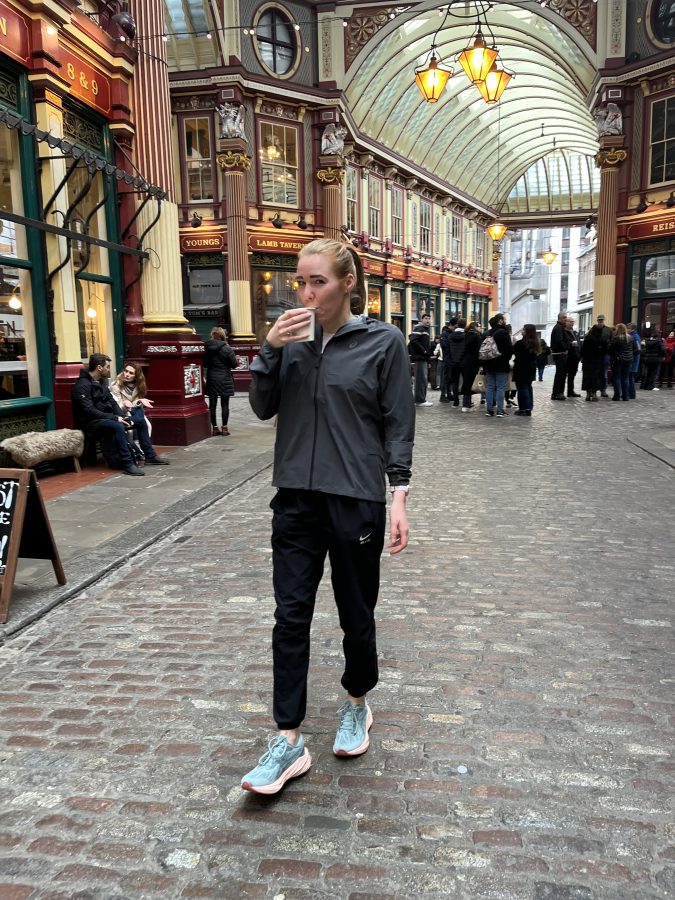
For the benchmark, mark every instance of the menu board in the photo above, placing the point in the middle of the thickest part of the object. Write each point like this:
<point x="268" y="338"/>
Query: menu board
<point x="24" y="530"/>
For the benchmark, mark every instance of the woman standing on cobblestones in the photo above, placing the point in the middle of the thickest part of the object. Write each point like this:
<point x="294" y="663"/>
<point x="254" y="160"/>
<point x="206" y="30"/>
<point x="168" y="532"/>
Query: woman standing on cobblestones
<point x="345" y="418"/>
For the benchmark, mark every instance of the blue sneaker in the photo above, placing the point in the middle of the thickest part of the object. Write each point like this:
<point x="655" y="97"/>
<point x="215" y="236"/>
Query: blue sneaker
<point x="281" y="762"/>
<point x="352" y="734"/>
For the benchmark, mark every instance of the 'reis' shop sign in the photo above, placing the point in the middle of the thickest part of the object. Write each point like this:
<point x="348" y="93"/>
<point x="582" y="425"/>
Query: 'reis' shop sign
<point x="14" y="34"/>
<point x="661" y="227"/>
<point x="212" y="242"/>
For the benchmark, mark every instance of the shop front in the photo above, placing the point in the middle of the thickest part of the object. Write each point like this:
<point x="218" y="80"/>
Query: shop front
<point x="205" y="282"/>
<point x="650" y="285"/>
<point x="397" y="305"/>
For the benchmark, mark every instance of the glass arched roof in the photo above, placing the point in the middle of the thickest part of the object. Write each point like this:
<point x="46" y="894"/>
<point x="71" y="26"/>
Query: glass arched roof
<point x="193" y="34"/>
<point x="456" y="139"/>
<point x="559" y="182"/>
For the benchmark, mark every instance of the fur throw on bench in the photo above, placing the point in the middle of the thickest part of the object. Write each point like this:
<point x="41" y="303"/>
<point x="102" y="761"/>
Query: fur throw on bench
<point x="35" y="447"/>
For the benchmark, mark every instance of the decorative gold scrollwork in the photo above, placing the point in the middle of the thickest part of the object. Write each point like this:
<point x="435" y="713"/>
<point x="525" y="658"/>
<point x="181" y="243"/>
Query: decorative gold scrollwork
<point x="607" y="159"/>
<point x="331" y="175"/>
<point x="232" y="160"/>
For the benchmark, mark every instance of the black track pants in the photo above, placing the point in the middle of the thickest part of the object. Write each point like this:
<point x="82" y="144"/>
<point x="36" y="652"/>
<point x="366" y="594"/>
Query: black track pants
<point x="306" y="526"/>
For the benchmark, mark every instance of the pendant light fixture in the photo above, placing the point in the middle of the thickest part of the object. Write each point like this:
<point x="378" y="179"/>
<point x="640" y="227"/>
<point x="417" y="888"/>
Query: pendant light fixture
<point x="432" y="77"/>
<point x="497" y="229"/>
<point x="477" y="59"/>
<point x="494" y="84"/>
<point x="549" y="256"/>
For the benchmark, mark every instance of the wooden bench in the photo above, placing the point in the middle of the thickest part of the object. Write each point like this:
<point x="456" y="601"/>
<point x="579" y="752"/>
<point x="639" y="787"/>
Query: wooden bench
<point x="34" y="447"/>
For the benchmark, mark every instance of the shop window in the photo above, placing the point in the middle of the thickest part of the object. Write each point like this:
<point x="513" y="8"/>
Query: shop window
<point x="480" y="250"/>
<point x="479" y="310"/>
<point x="660" y="274"/>
<point x="454" y="309"/>
<point x="397" y="302"/>
<point x="374" y="206"/>
<point x="18" y="353"/>
<point x="206" y="286"/>
<point x="275" y="292"/>
<point x="425" y="227"/>
<point x="375" y="301"/>
<point x="352" y="195"/>
<point x="198" y="162"/>
<point x="662" y="164"/>
<point x="564" y="283"/>
<point x="279" y="164"/>
<point x="276" y="41"/>
<point x="456" y="239"/>
<point x="397" y="216"/>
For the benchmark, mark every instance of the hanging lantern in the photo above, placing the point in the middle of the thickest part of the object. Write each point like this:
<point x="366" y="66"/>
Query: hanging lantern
<point x="432" y="77"/>
<point x="494" y="84"/>
<point x="549" y="256"/>
<point x="477" y="59"/>
<point x="496" y="230"/>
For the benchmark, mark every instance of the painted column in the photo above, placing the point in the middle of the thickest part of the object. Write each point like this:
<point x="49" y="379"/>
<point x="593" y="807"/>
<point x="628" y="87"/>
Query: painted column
<point x="386" y="312"/>
<point x="330" y="175"/>
<point x="608" y="160"/>
<point x="234" y="162"/>
<point x="161" y="279"/>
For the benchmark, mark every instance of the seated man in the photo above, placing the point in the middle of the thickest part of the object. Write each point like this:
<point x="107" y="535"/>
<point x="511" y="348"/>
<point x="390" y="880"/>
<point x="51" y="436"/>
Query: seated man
<point x="97" y="414"/>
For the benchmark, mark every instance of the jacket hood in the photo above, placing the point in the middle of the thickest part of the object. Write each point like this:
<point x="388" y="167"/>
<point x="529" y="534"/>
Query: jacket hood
<point x="213" y="344"/>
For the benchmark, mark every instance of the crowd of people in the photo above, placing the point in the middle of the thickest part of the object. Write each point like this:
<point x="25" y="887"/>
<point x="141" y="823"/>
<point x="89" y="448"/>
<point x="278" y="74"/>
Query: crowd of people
<point x="462" y="362"/>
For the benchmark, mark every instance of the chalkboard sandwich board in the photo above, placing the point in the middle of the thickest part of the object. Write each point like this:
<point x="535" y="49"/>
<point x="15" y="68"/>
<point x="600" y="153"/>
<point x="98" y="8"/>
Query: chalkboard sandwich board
<point x="24" y="530"/>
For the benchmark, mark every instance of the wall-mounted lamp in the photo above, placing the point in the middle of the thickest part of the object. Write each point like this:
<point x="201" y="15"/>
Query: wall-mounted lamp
<point x="588" y="224"/>
<point x="196" y="220"/>
<point x="302" y="222"/>
<point x="277" y="221"/>
<point x="670" y="202"/>
<point x="644" y="204"/>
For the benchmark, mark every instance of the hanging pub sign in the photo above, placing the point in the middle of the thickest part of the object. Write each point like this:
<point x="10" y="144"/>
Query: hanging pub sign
<point x="24" y="530"/>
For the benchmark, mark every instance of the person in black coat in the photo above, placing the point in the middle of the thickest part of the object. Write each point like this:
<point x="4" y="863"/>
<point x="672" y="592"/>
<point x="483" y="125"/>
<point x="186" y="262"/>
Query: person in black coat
<point x="472" y="341"/>
<point x="456" y="350"/>
<point x="526" y="351"/>
<point x="593" y="351"/>
<point x="542" y="358"/>
<point x="560" y="344"/>
<point x="219" y="360"/>
<point x="655" y="354"/>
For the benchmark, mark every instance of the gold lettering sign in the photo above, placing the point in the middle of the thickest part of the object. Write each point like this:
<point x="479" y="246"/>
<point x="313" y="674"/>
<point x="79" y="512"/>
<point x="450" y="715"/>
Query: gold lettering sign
<point x="86" y="83"/>
<point x="14" y="34"/>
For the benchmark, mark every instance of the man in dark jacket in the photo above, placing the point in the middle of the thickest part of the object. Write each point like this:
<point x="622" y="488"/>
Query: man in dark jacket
<point x="655" y="353"/>
<point x="456" y="348"/>
<point x="573" y="357"/>
<point x="560" y="344"/>
<point x="97" y="414"/>
<point x="419" y="348"/>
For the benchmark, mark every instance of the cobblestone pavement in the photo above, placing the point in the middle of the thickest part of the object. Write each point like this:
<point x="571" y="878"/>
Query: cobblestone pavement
<point x="523" y="722"/>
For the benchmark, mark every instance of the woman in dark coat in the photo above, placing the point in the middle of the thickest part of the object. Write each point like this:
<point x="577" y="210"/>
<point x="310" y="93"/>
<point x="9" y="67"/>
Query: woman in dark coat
<point x="526" y="352"/>
<point x="219" y="360"/>
<point x="593" y="351"/>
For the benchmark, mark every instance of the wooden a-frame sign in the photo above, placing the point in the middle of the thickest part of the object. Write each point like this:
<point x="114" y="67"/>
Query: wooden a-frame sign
<point x="24" y="530"/>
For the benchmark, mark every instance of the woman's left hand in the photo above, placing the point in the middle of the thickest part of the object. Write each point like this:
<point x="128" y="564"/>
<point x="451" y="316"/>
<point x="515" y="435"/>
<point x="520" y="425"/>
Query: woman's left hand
<point x="398" y="523"/>
<point x="148" y="403"/>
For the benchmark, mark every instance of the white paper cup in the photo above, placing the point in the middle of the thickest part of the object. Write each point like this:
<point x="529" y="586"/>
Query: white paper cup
<point x="308" y="335"/>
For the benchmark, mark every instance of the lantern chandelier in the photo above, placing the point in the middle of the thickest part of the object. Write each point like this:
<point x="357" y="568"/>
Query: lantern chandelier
<point x="478" y="59"/>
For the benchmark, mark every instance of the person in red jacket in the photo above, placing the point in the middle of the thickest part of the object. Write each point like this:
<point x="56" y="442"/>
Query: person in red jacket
<point x="669" y="362"/>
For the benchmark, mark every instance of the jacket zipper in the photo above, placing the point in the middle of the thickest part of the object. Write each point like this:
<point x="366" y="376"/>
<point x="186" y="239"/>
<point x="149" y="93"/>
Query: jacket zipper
<point x="316" y="422"/>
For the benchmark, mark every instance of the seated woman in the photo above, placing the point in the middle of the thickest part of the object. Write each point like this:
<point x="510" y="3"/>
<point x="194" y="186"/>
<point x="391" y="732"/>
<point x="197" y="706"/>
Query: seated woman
<point x="130" y="391"/>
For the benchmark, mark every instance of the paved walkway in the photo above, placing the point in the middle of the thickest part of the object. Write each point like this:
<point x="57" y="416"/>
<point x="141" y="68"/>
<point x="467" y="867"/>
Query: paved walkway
<point x="523" y="723"/>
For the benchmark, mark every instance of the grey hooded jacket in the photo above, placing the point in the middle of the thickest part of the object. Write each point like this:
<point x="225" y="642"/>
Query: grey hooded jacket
<point x="345" y="416"/>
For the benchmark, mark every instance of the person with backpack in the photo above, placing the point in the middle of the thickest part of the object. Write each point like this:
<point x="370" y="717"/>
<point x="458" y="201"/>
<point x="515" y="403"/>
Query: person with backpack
<point x="621" y="352"/>
<point x="495" y="354"/>
<point x="419" y="349"/>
